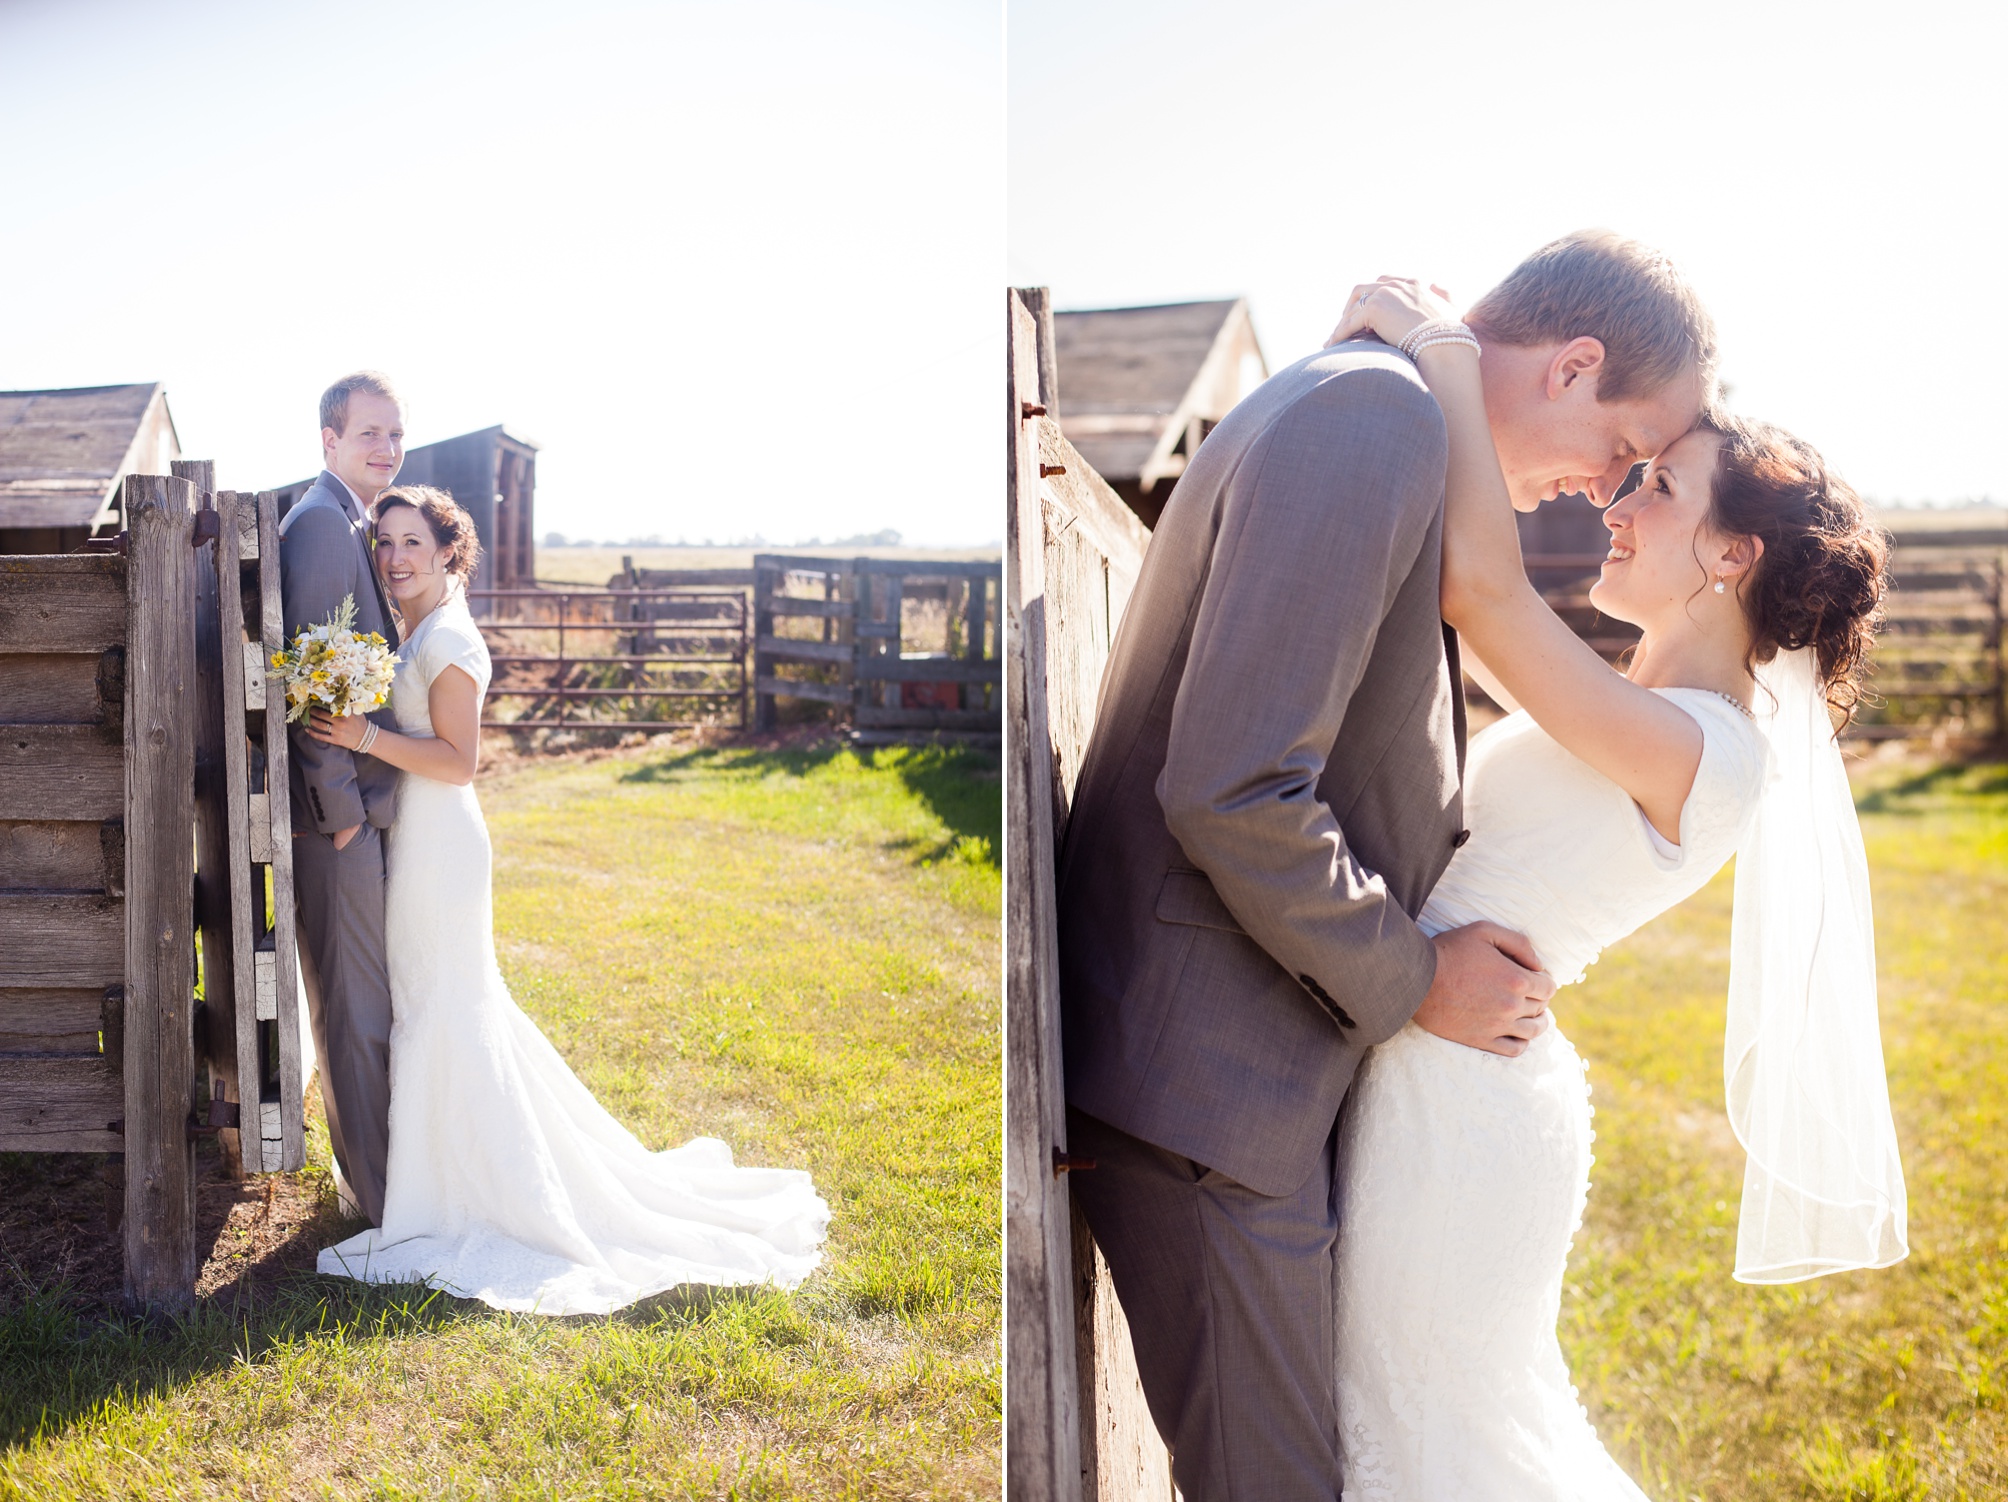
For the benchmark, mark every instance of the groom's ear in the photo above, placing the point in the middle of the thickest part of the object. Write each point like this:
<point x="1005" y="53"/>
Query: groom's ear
<point x="329" y="438"/>
<point x="1579" y="361"/>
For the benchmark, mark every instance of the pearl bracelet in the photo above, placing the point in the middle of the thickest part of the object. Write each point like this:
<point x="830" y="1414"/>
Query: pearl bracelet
<point x="369" y="736"/>
<point x="1437" y="331"/>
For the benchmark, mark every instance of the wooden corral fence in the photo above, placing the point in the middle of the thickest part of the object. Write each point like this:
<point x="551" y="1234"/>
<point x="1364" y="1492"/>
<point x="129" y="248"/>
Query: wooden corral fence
<point x="617" y="659"/>
<point x="1938" y="666"/>
<point x="834" y="630"/>
<point x="134" y="824"/>
<point x="1076" y="1422"/>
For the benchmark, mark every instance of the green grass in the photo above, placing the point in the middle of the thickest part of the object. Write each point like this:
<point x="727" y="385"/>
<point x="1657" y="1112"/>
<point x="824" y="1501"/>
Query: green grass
<point x="796" y="951"/>
<point x="1863" y="1387"/>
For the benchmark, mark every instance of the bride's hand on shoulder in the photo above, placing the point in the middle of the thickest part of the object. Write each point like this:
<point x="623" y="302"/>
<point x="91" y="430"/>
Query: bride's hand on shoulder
<point x="1391" y="309"/>
<point x="346" y="732"/>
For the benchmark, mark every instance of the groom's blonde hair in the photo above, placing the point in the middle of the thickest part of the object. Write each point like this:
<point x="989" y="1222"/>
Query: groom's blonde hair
<point x="1628" y="296"/>
<point x="335" y="400"/>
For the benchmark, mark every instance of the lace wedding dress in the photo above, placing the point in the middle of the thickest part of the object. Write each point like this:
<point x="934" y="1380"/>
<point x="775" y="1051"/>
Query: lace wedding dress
<point x="1464" y="1174"/>
<point x="507" y="1181"/>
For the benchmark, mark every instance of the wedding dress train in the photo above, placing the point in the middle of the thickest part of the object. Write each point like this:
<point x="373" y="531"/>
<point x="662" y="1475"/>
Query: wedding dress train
<point x="507" y="1181"/>
<point x="1464" y="1174"/>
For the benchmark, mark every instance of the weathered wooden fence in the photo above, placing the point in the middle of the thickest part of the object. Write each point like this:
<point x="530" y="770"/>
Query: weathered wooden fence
<point x="1076" y="1421"/>
<point x="1938" y="666"/>
<point x="121" y="841"/>
<point x="617" y="659"/>
<point x="834" y="630"/>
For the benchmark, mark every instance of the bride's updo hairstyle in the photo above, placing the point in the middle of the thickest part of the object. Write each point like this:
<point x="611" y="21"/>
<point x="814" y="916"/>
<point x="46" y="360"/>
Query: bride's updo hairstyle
<point x="1821" y="580"/>
<point x="451" y="527"/>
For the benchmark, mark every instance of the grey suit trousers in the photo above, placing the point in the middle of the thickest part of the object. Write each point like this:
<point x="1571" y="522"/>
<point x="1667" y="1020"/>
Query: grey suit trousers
<point x="339" y="900"/>
<point x="1229" y="1298"/>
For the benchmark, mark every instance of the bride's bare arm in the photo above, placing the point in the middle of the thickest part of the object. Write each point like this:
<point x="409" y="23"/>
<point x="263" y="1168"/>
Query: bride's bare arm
<point x="1488" y="680"/>
<point x="450" y="754"/>
<point x="1646" y="745"/>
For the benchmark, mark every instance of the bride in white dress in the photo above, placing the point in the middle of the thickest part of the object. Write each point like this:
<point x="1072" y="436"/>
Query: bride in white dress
<point x="1599" y="802"/>
<point x="507" y="1181"/>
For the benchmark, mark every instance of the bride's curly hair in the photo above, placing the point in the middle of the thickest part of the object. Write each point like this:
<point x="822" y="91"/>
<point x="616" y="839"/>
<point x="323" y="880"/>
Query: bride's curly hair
<point x="452" y="528"/>
<point x="1823" y="576"/>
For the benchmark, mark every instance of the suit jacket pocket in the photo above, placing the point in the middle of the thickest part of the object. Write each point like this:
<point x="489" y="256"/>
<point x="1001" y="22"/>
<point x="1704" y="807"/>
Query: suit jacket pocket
<point x="1187" y="896"/>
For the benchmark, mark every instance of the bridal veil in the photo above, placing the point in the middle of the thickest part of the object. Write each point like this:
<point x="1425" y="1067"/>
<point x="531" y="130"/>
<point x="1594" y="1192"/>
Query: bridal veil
<point x="1823" y="1188"/>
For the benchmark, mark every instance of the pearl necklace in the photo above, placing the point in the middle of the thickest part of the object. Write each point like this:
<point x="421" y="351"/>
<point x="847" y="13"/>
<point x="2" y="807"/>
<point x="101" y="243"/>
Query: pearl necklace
<point x="1737" y="704"/>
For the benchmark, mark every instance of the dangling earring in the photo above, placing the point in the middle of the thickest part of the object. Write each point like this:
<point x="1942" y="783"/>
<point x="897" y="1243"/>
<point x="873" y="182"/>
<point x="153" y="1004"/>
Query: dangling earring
<point x="1720" y="587"/>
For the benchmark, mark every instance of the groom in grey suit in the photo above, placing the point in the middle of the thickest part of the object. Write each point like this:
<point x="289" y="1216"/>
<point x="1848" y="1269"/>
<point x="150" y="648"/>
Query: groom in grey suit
<point x="342" y="801"/>
<point x="1271" y="791"/>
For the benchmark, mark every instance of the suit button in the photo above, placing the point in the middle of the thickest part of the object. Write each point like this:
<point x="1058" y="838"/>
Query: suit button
<point x="1457" y="840"/>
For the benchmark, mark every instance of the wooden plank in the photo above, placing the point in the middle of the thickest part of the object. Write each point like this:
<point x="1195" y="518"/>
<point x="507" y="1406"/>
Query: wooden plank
<point x="50" y="1022"/>
<point x="930" y="568"/>
<point x="265" y="984"/>
<point x="797" y="688"/>
<point x="49" y="688"/>
<point x="61" y="940"/>
<point x="62" y="602"/>
<point x="239" y="514"/>
<point x="292" y="1114"/>
<point x="1042" y="1399"/>
<point x="874" y="717"/>
<point x="824" y="609"/>
<point x="160" y="1259"/>
<point x="60" y="1106"/>
<point x="60" y="772"/>
<point x="215" y="571"/>
<point x="260" y="811"/>
<point x="253" y="667"/>
<point x="790" y="649"/>
<point x="50" y="855"/>
<point x="890" y="669"/>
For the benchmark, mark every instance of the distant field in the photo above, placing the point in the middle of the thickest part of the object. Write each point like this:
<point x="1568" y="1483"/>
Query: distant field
<point x="597" y="565"/>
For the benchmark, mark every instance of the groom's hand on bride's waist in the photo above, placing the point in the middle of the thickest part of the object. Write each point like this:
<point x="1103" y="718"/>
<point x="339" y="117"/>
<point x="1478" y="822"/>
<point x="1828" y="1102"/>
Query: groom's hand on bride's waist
<point x="1490" y="991"/>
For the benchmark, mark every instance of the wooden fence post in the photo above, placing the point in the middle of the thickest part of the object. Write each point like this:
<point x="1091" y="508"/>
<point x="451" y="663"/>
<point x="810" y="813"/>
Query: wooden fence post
<point x="1042" y="1400"/>
<point x="160" y="1262"/>
<point x="216" y="1040"/>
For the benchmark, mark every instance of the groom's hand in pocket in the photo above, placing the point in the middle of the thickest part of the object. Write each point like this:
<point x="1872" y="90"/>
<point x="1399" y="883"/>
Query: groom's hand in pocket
<point x="1490" y="991"/>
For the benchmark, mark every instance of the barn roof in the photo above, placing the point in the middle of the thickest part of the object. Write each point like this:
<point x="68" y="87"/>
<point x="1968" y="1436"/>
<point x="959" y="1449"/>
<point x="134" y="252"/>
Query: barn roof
<point x="62" y="451"/>
<point x="1126" y="373"/>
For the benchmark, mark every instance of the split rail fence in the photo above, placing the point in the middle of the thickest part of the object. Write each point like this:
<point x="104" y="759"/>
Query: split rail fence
<point x="142" y="806"/>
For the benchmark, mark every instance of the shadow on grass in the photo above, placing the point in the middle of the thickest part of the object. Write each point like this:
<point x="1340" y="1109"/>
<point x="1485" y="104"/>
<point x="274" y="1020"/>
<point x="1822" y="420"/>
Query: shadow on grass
<point x="1916" y="793"/>
<point x="961" y="786"/>
<point x="64" y="1361"/>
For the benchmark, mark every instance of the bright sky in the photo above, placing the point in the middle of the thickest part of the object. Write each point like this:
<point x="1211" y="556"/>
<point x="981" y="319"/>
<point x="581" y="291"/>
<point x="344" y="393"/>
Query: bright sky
<point x="1832" y="176"/>
<point x="736" y="267"/>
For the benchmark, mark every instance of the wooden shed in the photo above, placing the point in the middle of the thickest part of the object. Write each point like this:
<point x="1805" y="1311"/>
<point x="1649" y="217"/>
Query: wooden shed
<point x="63" y="454"/>
<point x="1140" y="388"/>
<point x="493" y="474"/>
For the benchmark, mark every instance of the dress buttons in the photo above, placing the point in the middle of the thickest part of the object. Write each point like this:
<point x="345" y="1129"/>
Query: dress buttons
<point x="1457" y="840"/>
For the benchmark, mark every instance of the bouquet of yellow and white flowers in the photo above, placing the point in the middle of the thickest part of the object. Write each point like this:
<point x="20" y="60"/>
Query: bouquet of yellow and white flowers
<point x="335" y="667"/>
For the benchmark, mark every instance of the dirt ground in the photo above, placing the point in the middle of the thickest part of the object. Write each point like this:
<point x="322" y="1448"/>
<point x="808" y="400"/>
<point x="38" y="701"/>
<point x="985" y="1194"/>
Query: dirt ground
<point x="56" y="1229"/>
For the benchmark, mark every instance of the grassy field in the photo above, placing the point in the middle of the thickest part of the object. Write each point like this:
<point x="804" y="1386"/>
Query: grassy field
<point x="1864" y="1387"/>
<point x="796" y="950"/>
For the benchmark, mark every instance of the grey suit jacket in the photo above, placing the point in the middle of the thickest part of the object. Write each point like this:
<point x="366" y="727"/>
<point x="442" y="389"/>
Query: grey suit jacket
<point x="324" y="556"/>
<point x="1273" y="784"/>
